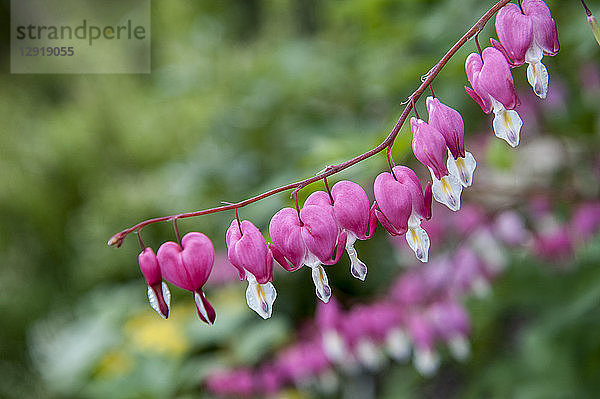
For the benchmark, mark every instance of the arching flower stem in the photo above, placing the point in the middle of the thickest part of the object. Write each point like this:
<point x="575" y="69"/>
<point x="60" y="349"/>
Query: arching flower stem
<point x="117" y="239"/>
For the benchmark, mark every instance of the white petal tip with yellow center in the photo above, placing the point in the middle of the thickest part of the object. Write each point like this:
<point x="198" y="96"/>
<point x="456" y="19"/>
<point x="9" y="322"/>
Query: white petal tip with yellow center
<point x="154" y="300"/>
<point x="357" y="267"/>
<point x="426" y="361"/>
<point x="537" y="76"/>
<point x="447" y="191"/>
<point x="418" y="241"/>
<point x="507" y="125"/>
<point x="321" y="282"/>
<point x="462" y="168"/>
<point x="260" y="297"/>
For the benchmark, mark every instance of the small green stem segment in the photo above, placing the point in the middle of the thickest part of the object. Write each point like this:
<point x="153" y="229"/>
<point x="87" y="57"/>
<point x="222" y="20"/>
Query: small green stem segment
<point x="117" y="239"/>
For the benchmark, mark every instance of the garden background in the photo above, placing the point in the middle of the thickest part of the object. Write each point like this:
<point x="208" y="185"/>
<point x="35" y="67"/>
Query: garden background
<point x="246" y="95"/>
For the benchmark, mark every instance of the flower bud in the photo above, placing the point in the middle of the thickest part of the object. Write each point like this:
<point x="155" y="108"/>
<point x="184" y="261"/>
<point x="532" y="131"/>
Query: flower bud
<point x="159" y="295"/>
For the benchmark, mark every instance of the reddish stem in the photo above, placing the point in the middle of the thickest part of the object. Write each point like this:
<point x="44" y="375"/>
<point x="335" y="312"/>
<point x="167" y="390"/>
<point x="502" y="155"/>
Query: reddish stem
<point x="328" y="190"/>
<point x="118" y="238"/>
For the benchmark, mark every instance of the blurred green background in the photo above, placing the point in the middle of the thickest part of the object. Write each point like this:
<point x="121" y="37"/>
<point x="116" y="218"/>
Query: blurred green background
<point x="246" y="95"/>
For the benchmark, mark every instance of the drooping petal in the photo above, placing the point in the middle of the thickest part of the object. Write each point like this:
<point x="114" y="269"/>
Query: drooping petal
<point x="149" y="266"/>
<point x="249" y="251"/>
<point x="159" y="297"/>
<point x="544" y="26"/>
<point x="449" y="123"/>
<point x="260" y="297"/>
<point x="351" y="207"/>
<point x="286" y="234"/>
<point x="447" y="191"/>
<point x="429" y="146"/>
<point x="507" y="125"/>
<point x="357" y="268"/>
<point x="408" y="178"/>
<point x="495" y="79"/>
<point x="394" y="203"/>
<point x="537" y="76"/>
<point x="198" y="256"/>
<point x="171" y="265"/>
<point x="418" y="240"/>
<point x="515" y="32"/>
<point x="463" y="168"/>
<point x="321" y="283"/>
<point x="320" y="231"/>
<point x="473" y="66"/>
<point x="205" y="310"/>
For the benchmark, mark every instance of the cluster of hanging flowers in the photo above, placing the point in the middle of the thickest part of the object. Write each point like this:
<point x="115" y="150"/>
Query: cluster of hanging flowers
<point x="316" y="234"/>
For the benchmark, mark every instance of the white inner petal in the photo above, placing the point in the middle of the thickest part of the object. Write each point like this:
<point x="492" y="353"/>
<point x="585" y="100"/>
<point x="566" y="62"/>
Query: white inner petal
<point x="154" y="300"/>
<point x="462" y="168"/>
<point x="201" y="307"/>
<point x="447" y="191"/>
<point x="369" y="355"/>
<point x="537" y="76"/>
<point x="260" y="297"/>
<point x="534" y="53"/>
<point x="426" y="361"/>
<point x="418" y="240"/>
<point x="321" y="282"/>
<point x="398" y="344"/>
<point x="459" y="347"/>
<point x="507" y="124"/>
<point x="334" y="346"/>
<point x="357" y="267"/>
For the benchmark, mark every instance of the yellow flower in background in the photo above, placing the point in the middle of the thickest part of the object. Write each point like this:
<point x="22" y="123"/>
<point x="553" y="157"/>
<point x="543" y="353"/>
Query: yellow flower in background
<point x="148" y="333"/>
<point x="116" y="362"/>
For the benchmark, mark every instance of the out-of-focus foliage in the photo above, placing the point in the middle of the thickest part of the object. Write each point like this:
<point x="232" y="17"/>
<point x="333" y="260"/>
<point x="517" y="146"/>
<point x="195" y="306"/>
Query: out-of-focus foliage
<point x="244" y="96"/>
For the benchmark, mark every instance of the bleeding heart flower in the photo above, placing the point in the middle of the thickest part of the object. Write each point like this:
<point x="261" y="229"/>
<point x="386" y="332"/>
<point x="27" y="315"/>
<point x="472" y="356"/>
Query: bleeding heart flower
<point x="188" y="267"/>
<point x="249" y="253"/>
<point x="416" y="236"/>
<point x="352" y="214"/>
<point x="310" y="238"/>
<point x="526" y="34"/>
<point x="159" y="295"/>
<point x="450" y="124"/>
<point x="429" y="146"/>
<point x="494" y="89"/>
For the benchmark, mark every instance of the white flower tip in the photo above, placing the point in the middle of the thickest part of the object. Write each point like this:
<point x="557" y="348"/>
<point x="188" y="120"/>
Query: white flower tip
<point x="398" y="345"/>
<point x="321" y="282"/>
<point x="369" y="354"/>
<point x="537" y="76"/>
<point x="462" y="168"/>
<point x="507" y="126"/>
<point x="260" y="298"/>
<point x="418" y="240"/>
<point x="154" y="301"/>
<point x="201" y="308"/>
<point x="334" y="346"/>
<point x="447" y="191"/>
<point x="357" y="268"/>
<point x="426" y="362"/>
<point x="459" y="347"/>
